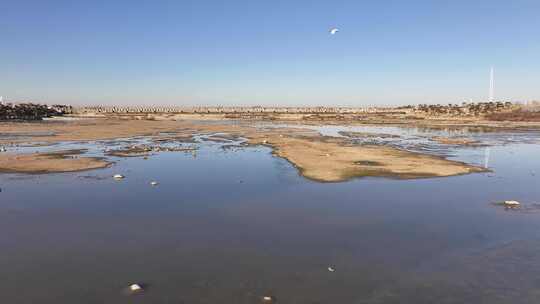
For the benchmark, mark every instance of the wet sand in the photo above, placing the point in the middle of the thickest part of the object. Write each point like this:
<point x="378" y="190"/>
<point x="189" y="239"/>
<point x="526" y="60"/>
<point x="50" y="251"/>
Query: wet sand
<point x="321" y="158"/>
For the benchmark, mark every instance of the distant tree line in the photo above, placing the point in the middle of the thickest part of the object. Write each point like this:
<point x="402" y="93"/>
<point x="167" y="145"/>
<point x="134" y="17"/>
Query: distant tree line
<point x="30" y="111"/>
<point x="464" y="109"/>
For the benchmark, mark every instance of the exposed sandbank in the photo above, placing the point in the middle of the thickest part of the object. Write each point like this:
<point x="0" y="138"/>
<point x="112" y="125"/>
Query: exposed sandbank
<point x="321" y="158"/>
<point x="51" y="162"/>
<point x="331" y="159"/>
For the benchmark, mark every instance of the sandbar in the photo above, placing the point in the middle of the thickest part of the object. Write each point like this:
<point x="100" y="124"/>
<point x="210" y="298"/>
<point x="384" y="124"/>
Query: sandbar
<point x="50" y="162"/>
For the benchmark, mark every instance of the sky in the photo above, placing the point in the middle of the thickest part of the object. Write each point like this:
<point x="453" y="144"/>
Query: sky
<point x="268" y="52"/>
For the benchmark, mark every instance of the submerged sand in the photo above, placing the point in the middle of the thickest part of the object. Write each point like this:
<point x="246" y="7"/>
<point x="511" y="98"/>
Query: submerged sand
<point x="321" y="158"/>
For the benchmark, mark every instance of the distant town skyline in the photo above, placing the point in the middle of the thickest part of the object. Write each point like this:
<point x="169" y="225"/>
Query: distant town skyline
<point x="281" y="53"/>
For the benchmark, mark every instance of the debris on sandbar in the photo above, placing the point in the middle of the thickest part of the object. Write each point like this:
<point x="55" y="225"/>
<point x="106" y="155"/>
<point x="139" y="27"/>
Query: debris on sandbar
<point x="146" y="150"/>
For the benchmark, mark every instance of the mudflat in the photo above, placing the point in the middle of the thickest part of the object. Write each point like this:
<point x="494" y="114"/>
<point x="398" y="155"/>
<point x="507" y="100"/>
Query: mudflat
<point x="317" y="157"/>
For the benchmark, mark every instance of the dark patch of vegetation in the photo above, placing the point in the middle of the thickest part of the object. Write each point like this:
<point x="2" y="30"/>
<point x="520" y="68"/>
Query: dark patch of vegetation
<point x="474" y="109"/>
<point x="31" y="111"/>
<point x="367" y="163"/>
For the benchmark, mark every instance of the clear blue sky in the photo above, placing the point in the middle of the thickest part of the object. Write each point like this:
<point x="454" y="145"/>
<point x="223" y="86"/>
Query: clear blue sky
<point x="268" y="52"/>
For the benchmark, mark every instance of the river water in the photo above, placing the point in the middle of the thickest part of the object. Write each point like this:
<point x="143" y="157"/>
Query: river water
<point x="233" y="225"/>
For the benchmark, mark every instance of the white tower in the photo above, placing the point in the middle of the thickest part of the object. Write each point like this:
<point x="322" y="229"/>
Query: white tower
<point x="491" y="84"/>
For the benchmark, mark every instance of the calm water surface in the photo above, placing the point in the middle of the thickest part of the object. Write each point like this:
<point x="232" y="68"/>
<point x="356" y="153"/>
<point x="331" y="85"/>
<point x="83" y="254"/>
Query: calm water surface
<point x="233" y="225"/>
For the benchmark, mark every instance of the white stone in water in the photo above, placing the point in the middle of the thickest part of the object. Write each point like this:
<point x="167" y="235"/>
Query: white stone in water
<point x="135" y="288"/>
<point x="511" y="203"/>
<point x="118" y="176"/>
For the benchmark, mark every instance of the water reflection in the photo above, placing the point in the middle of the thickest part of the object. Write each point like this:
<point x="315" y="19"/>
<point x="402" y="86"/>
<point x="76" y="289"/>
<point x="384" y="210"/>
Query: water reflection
<point x="233" y="225"/>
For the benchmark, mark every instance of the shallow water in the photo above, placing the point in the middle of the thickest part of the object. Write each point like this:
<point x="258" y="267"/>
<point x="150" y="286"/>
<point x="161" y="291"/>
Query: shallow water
<point x="233" y="225"/>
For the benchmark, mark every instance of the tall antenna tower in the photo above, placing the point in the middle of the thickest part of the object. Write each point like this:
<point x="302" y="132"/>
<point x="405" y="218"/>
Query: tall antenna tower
<point x="491" y="85"/>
